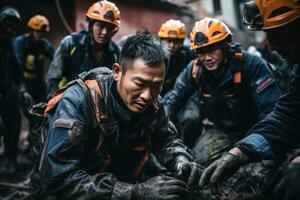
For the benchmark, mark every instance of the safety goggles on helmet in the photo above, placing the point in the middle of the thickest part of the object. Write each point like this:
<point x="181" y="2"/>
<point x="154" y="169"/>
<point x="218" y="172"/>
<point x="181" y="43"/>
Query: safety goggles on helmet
<point x="270" y="14"/>
<point x="252" y="17"/>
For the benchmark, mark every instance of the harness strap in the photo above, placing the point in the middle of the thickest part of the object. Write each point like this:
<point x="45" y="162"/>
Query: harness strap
<point x="237" y="72"/>
<point x="145" y="148"/>
<point x="94" y="93"/>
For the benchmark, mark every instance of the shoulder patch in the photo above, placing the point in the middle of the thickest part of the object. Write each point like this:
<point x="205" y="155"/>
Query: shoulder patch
<point x="263" y="84"/>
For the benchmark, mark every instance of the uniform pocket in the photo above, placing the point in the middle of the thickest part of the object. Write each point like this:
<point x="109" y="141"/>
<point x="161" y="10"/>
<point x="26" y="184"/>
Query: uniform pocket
<point x="75" y="128"/>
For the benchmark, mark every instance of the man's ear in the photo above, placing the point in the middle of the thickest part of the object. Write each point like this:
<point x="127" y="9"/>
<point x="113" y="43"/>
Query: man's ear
<point x="117" y="71"/>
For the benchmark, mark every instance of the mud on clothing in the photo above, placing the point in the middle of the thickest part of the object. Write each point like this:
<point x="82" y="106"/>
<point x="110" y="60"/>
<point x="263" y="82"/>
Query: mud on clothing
<point x="72" y="166"/>
<point x="244" y="94"/>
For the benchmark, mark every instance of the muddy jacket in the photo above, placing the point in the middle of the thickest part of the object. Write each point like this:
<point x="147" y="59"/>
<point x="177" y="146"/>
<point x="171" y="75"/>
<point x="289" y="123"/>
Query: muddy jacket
<point x="73" y="56"/>
<point x="245" y="92"/>
<point x="278" y="132"/>
<point x="177" y="63"/>
<point x="30" y="56"/>
<point x="73" y="167"/>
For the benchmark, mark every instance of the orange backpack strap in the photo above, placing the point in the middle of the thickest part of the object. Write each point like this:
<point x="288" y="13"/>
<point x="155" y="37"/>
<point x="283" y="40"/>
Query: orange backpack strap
<point x="56" y="97"/>
<point x="196" y="68"/>
<point x="92" y="91"/>
<point x="52" y="104"/>
<point x="237" y="77"/>
<point x="97" y="97"/>
<point x="146" y="149"/>
<point x="97" y="104"/>
<point x="237" y="68"/>
<point x="238" y="56"/>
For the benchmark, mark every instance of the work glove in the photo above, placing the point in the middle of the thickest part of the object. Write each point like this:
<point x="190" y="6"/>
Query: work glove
<point x="220" y="169"/>
<point x="155" y="167"/>
<point x="160" y="187"/>
<point x="189" y="172"/>
<point x="288" y="187"/>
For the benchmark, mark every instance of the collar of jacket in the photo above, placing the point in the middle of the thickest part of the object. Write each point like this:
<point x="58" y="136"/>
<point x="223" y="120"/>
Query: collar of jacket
<point x="118" y="105"/>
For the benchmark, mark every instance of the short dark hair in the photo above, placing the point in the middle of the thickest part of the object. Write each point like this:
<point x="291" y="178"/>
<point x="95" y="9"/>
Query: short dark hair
<point x="146" y="47"/>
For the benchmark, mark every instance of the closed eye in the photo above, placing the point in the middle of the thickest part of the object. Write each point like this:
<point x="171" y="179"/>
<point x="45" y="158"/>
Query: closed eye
<point x="139" y="84"/>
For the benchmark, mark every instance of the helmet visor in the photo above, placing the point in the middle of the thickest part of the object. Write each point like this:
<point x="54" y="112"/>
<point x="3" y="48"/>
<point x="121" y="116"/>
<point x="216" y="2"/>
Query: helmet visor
<point x="252" y="17"/>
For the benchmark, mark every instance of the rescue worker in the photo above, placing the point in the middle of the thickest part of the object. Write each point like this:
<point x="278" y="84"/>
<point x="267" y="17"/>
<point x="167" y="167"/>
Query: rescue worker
<point x="11" y="87"/>
<point x="31" y="50"/>
<point x="101" y="155"/>
<point x="278" y="132"/>
<point x="235" y="89"/>
<point x="173" y="32"/>
<point x="88" y="49"/>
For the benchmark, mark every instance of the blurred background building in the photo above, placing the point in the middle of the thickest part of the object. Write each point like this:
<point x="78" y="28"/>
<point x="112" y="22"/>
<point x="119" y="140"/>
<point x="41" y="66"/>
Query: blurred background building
<point x="69" y="15"/>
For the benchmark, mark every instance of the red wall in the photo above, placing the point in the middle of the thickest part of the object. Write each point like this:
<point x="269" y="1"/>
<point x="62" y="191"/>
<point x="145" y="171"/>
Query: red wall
<point x="134" y="15"/>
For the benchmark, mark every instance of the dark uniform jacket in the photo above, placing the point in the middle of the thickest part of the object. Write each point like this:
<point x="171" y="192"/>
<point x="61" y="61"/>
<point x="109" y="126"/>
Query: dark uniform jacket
<point x="245" y="93"/>
<point x="72" y="167"/>
<point x="31" y="56"/>
<point x="73" y="56"/>
<point x="278" y="132"/>
<point x="177" y="63"/>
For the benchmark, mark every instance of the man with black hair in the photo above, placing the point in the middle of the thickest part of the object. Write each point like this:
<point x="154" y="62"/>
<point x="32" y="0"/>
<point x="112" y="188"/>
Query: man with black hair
<point x="88" y="49"/>
<point x="104" y="126"/>
<point x="235" y="89"/>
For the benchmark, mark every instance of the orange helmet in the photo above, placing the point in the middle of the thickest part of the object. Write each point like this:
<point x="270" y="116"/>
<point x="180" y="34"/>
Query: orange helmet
<point x="208" y="31"/>
<point x="268" y="14"/>
<point x="105" y="11"/>
<point x="172" y="29"/>
<point x="39" y="22"/>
